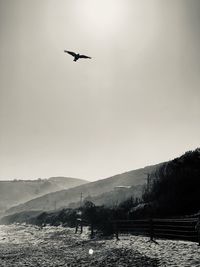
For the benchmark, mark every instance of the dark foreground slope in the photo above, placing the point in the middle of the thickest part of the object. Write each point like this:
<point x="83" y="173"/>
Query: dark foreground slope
<point x="174" y="189"/>
<point x="64" y="198"/>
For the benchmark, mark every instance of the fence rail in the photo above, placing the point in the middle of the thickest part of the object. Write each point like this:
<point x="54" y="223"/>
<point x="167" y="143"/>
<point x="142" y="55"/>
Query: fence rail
<point x="181" y="229"/>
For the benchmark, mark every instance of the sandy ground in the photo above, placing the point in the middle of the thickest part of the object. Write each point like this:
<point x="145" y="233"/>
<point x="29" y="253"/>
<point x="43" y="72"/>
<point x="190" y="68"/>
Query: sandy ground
<point x="23" y="245"/>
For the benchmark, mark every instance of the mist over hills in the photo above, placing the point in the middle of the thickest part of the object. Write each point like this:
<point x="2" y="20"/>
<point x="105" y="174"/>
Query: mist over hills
<point x="166" y="189"/>
<point x="15" y="192"/>
<point x="101" y="192"/>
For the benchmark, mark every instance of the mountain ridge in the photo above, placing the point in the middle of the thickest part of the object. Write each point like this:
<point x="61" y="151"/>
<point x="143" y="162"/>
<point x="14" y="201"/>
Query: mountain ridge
<point x="14" y="192"/>
<point x="64" y="198"/>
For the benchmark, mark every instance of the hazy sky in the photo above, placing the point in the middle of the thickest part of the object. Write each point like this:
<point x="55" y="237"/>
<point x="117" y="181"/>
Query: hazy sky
<point x="136" y="103"/>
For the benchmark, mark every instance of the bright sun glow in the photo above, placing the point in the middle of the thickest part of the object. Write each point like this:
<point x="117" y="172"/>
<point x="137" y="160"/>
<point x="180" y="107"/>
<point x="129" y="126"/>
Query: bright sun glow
<point x="106" y="19"/>
<point x="104" y="16"/>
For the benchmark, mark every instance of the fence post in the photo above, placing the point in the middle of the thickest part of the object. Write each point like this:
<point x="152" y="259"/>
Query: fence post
<point x="81" y="226"/>
<point x="92" y="230"/>
<point x="151" y="231"/>
<point x="76" y="227"/>
<point x="197" y="227"/>
<point x="116" y="230"/>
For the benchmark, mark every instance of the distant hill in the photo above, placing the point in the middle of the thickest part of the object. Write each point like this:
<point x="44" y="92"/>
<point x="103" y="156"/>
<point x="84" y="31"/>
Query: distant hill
<point x="98" y="191"/>
<point x="15" y="192"/>
<point x="172" y="189"/>
<point x="114" y="197"/>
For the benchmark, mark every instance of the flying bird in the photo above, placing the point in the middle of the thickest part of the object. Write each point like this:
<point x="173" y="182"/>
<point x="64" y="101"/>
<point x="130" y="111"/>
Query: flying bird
<point x="76" y="56"/>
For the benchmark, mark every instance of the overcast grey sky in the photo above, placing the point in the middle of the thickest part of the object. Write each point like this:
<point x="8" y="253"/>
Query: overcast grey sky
<point x="134" y="104"/>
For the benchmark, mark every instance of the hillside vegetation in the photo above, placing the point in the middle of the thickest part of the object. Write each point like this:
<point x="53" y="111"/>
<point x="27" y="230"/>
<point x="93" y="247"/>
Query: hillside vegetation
<point x="174" y="188"/>
<point x="96" y="191"/>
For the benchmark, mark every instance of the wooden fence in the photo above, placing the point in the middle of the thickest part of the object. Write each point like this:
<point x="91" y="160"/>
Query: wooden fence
<point x="180" y="229"/>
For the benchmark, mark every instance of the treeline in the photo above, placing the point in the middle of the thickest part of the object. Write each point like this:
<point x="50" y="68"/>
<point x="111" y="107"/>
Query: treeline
<point x="100" y="218"/>
<point x="174" y="189"/>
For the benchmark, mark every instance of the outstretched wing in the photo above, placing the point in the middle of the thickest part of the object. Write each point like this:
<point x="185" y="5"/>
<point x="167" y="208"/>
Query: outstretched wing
<point x="71" y="53"/>
<point x="83" y="56"/>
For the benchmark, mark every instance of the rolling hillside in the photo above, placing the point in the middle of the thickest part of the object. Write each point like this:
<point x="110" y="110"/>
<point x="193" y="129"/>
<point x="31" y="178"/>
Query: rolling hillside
<point x="64" y="198"/>
<point x="15" y="192"/>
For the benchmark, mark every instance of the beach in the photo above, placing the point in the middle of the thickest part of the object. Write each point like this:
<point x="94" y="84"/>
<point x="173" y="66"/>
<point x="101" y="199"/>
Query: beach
<point x="27" y="245"/>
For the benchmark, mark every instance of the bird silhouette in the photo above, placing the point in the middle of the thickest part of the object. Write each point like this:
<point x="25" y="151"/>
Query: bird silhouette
<point x="76" y="56"/>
